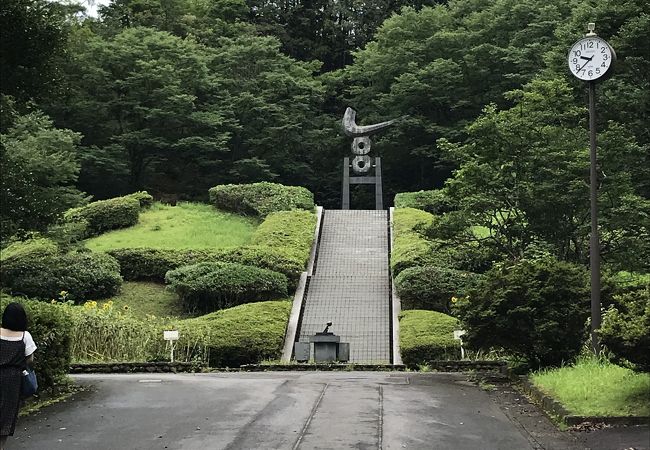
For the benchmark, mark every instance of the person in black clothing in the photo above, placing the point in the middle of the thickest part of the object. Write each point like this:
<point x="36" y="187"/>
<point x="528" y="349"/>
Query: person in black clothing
<point x="16" y="354"/>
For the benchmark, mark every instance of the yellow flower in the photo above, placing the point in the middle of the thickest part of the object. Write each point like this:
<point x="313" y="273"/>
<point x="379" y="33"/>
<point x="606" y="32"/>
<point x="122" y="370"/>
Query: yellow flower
<point x="454" y="299"/>
<point x="126" y="307"/>
<point x="53" y="301"/>
<point x="92" y="304"/>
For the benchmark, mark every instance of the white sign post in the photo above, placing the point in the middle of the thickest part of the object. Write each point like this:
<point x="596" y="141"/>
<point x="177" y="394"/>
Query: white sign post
<point x="458" y="335"/>
<point x="171" y="336"/>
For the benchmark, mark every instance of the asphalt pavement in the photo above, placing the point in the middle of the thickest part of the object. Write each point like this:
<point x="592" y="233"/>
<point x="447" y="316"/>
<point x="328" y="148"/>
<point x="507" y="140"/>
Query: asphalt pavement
<point x="288" y="410"/>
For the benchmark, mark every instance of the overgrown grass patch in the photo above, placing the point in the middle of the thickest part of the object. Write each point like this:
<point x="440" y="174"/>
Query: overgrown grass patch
<point x="142" y="298"/>
<point x="185" y="226"/>
<point x="596" y="387"/>
<point x="230" y="337"/>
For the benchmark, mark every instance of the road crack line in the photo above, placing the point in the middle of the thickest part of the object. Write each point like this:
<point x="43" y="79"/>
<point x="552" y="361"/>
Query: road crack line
<point x="311" y="416"/>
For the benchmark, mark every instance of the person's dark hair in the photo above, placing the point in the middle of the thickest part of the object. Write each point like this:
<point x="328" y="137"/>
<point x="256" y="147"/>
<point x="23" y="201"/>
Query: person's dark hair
<point x="14" y="317"/>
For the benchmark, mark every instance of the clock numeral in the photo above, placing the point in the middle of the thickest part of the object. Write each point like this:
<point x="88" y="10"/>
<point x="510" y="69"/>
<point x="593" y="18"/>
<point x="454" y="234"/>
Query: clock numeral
<point x="590" y="73"/>
<point x="577" y="67"/>
<point x="591" y="44"/>
<point x="577" y="53"/>
<point x="603" y="64"/>
<point x="583" y="71"/>
<point x="605" y="57"/>
<point x="597" y="70"/>
<point x="575" y="60"/>
<point x="602" y="50"/>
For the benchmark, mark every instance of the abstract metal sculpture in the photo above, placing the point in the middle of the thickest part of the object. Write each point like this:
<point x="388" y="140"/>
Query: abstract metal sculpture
<point x="361" y="163"/>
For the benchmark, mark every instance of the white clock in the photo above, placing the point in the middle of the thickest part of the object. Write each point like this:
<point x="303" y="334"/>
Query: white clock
<point x="591" y="58"/>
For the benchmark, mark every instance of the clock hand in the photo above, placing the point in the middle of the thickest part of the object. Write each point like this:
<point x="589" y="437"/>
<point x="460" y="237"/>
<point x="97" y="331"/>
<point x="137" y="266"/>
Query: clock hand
<point x="588" y="61"/>
<point x="584" y="57"/>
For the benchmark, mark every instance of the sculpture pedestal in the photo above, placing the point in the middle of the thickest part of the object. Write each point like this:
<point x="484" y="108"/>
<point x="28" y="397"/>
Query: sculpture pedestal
<point x="348" y="180"/>
<point x="325" y="347"/>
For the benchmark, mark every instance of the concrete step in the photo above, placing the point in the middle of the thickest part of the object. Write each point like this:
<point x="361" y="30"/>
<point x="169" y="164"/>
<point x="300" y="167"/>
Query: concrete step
<point x="351" y="284"/>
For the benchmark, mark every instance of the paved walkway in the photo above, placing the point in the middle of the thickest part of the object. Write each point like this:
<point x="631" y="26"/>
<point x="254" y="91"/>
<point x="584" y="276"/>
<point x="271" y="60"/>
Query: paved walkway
<point x="350" y="286"/>
<point x="293" y="411"/>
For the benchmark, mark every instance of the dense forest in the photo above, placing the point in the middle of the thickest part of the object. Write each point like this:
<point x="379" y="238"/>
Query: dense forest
<point x="176" y="96"/>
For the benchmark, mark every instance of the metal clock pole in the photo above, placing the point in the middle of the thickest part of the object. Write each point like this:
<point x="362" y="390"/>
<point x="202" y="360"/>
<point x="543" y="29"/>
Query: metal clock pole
<point x="590" y="59"/>
<point x="594" y="244"/>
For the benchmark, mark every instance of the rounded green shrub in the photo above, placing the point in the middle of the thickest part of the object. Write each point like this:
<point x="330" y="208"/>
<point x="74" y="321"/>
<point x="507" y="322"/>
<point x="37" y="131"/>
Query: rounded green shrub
<point x="138" y="264"/>
<point x="33" y="248"/>
<point x="427" y="336"/>
<point x="434" y="201"/>
<point x="105" y="215"/>
<point x="245" y="334"/>
<point x="431" y="287"/>
<point x="51" y="328"/>
<point x="210" y="286"/>
<point x="277" y="259"/>
<point x="82" y="275"/>
<point x="534" y="309"/>
<point x="260" y="199"/>
<point x="625" y="328"/>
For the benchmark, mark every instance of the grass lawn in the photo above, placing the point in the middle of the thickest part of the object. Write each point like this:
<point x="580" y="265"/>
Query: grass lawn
<point x="597" y="388"/>
<point x="187" y="225"/>
<point x="142" y="298"/>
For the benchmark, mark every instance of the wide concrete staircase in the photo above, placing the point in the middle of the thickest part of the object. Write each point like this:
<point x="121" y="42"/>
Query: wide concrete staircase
<point x="350" y="285"/>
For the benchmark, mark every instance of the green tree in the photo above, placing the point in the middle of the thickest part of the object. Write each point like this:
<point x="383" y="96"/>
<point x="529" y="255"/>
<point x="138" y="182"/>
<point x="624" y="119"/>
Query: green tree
<point x="524" y="171"/>
<point x="39" y="169"/>
<point x="172" y="115"/>
<point x="625" y="97"/>
<point x="145" y="102"/>
<point x="325" y="30"/>
<point x="33" y="34"/>
<point x="441" y="66"/>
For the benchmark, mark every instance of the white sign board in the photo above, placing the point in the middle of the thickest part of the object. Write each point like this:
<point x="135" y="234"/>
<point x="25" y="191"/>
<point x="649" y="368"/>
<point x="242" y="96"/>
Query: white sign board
<point x="170" y="335"/>
<point x="458" y="334"/>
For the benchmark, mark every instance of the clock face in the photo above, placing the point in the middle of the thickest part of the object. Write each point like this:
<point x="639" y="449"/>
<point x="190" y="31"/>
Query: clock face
<point x="590" y="58"/>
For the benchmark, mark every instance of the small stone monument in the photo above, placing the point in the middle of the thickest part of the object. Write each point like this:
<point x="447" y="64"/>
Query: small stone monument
<point x="367" y="169"/>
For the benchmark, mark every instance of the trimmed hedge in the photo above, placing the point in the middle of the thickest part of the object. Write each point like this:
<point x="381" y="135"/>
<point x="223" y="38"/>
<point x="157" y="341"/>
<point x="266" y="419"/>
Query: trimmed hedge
<point x="431" y="287"/>
<point x="260" y="199"/>
<point x="427" y="336"/>
<point x="245" y="334"/>
<point x="105" y="215"/>
<point x="434" y="201"/>
<point x="51" y="329"/>
<point x="410" y="248"/>
<point x="152" y="264"/>
<point x="83" y="275"/>
<point x="143" y="197"/>
<point x="290" y="230"/>
<point x="209" y="286"/>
